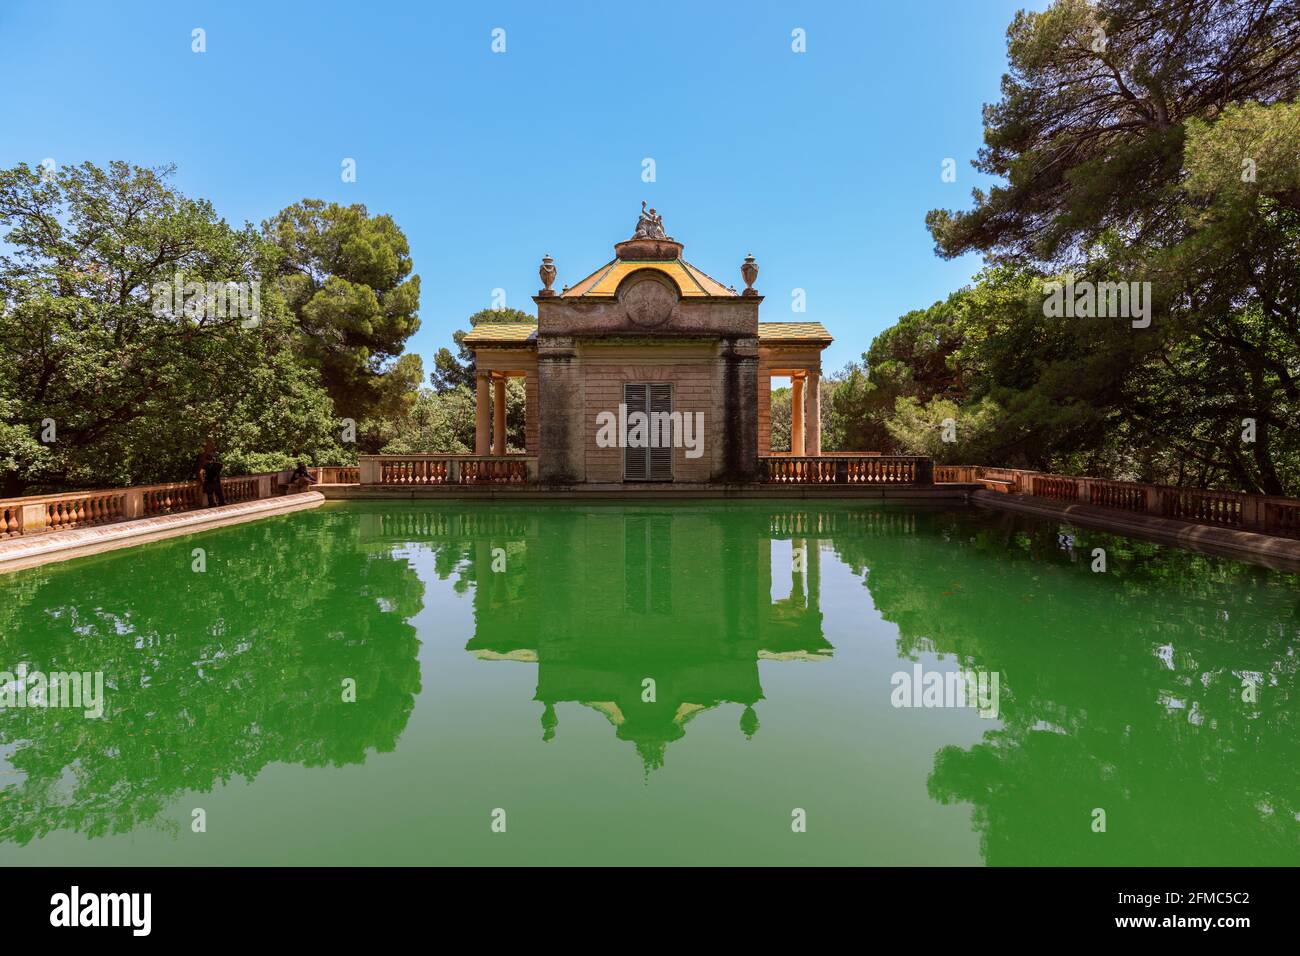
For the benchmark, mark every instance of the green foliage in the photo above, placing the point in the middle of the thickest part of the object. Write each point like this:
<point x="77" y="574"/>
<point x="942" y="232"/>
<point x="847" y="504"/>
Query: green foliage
<point x="918" y="429"/>
<point x="134" y="380"/>
<point x="346" y="279"/>
<point x="1133" y="143"/>
<point x="439" y="422"/>
<point x="781" y="418"/>
<point x="850" y="422"/>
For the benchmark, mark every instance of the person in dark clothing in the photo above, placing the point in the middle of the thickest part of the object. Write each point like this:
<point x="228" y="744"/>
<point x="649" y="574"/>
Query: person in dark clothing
<point x="301" y="478"/>
<point x="210" y="474"/>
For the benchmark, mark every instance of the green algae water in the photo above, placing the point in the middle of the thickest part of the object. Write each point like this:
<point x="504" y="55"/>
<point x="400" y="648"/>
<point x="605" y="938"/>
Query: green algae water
<point x="652" y="684"/>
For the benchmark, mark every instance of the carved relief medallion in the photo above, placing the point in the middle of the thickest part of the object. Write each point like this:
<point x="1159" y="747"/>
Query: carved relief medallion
<point x="648" y="302"/>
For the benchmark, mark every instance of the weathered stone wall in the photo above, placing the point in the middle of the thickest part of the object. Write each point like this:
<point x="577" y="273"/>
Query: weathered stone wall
<point x="693" y="373"/>
<point x="735" y="316"/>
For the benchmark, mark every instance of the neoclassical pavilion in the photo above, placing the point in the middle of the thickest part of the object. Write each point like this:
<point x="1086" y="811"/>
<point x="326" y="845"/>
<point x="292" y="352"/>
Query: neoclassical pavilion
<point x="649" y="332"/>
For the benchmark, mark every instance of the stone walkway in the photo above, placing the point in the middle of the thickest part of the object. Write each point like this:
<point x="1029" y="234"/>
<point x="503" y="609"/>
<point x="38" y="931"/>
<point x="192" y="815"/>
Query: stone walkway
<point x="37" y="549"/>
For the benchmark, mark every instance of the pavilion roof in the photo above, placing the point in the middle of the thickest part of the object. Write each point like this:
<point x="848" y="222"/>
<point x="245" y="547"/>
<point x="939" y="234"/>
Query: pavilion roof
<point x="502" y="333"/>
<point x="523" y="334"/>
<point x="692" y="281"/>
<point x="793" y="333"/>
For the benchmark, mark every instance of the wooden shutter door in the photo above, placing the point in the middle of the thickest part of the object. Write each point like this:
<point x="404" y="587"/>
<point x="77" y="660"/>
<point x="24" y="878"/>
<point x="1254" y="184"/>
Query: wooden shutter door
<point x="661" y="458"/>
<point x="636" y="461"/>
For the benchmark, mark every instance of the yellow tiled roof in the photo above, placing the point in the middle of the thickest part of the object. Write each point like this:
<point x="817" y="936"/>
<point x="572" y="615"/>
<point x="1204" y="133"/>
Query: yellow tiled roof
<point x="814" y="333"/>
<point x="501" y="333"/>
<point x="605" y="280"/>
<point x="520" y="333"/>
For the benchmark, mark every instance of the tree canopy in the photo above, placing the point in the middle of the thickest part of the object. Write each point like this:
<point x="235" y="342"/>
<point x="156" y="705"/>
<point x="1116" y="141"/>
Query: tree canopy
<point x="1135" y="142"/>
<point x="137" y="327"/>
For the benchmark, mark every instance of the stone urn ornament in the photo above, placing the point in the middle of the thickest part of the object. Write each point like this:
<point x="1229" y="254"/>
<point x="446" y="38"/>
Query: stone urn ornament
<point x="749" y="272"/>
<point x="547" y="273"/>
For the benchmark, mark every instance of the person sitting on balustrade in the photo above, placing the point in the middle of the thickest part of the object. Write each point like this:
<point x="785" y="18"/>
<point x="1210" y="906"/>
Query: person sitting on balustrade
<point x="301" y="479"/>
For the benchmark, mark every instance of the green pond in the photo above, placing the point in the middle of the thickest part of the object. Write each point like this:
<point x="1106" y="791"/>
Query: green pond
<point x="652" y="684"/>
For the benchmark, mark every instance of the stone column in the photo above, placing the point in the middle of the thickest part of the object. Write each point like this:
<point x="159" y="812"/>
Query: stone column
<point x="560" y="447"/>
<point x="481" y="413"/>
<point x="370" y="472"/>
<point x="796" y="415"/>
<point x="737" y="429"/>
<point x="499" y="415"/>
<point x="532" y="410"/>
<point x="813" y="418"/>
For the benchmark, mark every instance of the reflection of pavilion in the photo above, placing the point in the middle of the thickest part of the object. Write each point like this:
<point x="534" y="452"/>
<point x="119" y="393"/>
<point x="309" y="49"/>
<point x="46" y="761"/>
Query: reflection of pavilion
<point x="608" y="598"/>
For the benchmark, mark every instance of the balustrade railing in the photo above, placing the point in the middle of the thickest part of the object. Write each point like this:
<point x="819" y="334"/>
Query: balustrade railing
<point x="845" y="469"/>
<point x="1123" y="495"/>
<point x="1225" y="509"/>
<point x="38" y="514"/>
<point x="442" y="469"/>
<point x="336" y="474"/>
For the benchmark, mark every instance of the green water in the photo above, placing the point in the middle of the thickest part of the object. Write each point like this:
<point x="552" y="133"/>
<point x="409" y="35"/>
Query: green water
<point x="503" y="656"/>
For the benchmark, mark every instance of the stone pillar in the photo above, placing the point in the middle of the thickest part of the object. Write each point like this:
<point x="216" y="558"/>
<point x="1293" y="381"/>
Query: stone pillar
<point x="532" y="411"/>
<point x="368" y="469"/>
<point x="481" y="413"/>
<point x="560" y="447"/>
<point x="737" y="430"/>
<point x="796" y="416"/>
<point x="499" y="415"/>
<point x="133" y="504"/>
<point x="33" y="518"/>
<point x="813" y="418"/>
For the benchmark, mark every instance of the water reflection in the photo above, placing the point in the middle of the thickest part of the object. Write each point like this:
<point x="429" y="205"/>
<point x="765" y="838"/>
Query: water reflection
<point x="650" y="618"/>
<point x="1121" y="690"/>
<point x="208" y="676"/>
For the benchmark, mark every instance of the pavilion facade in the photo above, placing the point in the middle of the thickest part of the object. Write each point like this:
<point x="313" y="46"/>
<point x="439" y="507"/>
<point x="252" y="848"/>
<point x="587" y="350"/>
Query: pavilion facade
<point x="648" y="332"/>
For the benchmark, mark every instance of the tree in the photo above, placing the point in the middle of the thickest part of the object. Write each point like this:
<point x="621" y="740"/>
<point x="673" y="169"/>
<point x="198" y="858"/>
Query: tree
<point x="1150" y="143"/>
<point x="135" y="326"/>
<point x="851" y="407"/>
<point x="346" y="278"/>
<point x="439" y="422"/>
<point x="782" y="410"/>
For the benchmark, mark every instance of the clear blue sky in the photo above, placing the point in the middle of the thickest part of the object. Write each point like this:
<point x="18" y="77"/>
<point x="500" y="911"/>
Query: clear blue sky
<point x="822" y="164"/>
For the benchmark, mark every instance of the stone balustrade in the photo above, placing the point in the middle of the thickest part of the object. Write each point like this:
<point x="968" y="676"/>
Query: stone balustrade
<point x="336" y="474"/>
<point x="441" y="469"/>
<point x="1225" y="509"/>
<point x="37" y="514"/>
<point x="846" y="469"/>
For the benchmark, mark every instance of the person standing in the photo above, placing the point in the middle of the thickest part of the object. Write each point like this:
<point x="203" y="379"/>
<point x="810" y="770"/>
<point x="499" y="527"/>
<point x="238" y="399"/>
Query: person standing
<point x="210" y="474"/>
